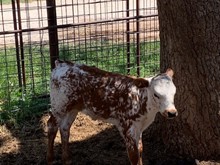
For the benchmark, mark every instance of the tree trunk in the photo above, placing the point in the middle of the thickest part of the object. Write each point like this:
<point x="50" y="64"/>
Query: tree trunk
<point x="190" y="45"/>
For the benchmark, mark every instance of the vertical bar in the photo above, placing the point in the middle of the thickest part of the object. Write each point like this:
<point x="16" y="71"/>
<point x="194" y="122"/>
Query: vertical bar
<point x="21" y="44"/>
<point x="53" y="37"/>
<point x="85" y="32"/>
<point x="16" y="43"/>
<point x="128" y="37"/>
<point x="6" y="75"/>
<point x="30" y="59"/>
<point x="138" y="37"/>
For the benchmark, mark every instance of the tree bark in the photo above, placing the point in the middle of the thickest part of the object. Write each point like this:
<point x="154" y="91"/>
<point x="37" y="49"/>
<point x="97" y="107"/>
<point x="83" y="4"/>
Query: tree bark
<point x="190" y="45"/>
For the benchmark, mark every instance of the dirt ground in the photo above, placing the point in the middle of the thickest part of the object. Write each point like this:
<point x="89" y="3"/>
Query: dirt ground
<point x="91" y="143"/>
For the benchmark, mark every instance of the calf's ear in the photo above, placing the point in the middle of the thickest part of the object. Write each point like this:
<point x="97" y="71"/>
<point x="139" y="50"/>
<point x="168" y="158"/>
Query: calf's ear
<point x="170" y="72"/>
<point x="141" y="83"/>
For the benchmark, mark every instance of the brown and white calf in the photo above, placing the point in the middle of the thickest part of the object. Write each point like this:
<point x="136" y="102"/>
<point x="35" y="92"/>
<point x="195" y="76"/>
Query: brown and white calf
<point x="129" y="103"/>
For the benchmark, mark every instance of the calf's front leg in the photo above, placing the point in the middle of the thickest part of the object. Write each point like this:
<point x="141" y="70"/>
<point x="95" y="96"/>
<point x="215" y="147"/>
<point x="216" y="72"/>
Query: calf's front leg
<point x="134" y="147"/>
<point x="140" y="149"/>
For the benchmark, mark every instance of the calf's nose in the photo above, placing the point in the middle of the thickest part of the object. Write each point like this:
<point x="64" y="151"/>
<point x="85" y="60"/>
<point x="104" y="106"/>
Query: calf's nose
<point x="171" y="114"/>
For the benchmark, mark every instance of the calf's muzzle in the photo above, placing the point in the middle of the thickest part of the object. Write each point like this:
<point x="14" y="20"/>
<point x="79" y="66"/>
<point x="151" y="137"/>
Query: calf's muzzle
<point x="170" y="113"/>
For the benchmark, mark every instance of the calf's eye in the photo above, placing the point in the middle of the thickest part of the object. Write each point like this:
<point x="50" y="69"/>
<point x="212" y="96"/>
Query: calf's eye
<point x="156" y="96"/>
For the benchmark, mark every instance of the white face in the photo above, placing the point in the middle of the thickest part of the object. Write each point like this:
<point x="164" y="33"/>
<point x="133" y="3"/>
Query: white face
<point x="162" y="91"/>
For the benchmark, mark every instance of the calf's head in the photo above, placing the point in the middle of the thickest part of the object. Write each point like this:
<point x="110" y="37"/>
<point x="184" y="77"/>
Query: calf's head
<point x="162" y="91"/>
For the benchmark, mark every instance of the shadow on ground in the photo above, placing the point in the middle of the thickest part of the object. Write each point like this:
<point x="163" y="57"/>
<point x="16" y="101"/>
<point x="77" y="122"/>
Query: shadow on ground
<point x="103" y="146"/>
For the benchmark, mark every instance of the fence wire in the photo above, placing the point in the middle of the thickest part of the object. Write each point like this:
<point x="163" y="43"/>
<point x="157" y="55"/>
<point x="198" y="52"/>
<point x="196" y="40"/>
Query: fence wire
<point x="115" y="35"/>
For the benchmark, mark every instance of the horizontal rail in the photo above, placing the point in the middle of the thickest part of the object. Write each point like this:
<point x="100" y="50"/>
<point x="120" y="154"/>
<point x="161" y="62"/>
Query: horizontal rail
<point x="76" y="24"/>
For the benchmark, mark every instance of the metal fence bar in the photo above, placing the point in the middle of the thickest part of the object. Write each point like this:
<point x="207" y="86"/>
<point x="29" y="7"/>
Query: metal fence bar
<point x="138" y="37"/>
<point x="128" y="37"/>
<point x="21" y="44"/>
<point x="77" y="24"/>
<point x="16" y="43"/>
<point x="53" y="36"/>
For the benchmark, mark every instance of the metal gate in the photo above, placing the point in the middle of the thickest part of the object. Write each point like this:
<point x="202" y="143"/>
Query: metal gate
<point x="115" y="35"/>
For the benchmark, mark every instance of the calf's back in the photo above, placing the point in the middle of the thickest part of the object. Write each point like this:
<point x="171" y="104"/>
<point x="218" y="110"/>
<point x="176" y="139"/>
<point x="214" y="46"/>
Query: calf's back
<point x="98" y="93"/>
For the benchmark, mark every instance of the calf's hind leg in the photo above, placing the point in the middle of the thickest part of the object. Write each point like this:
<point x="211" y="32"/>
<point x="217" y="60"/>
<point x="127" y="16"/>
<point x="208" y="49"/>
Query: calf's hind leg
<point x="52" y="131"/>
<point x="65" y="126"/>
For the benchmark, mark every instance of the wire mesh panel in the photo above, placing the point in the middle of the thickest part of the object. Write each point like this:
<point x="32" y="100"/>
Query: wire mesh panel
<point x="116" y="35"/>
<point x="24" y="62"/>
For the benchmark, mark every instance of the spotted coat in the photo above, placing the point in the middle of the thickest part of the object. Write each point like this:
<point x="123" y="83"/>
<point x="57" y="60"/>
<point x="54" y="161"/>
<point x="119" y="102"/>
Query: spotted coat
<point x="121" y="100"/>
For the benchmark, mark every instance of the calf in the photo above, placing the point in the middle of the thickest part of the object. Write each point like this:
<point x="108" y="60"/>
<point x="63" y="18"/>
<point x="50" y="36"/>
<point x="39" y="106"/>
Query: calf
<point x="127" y="102"/>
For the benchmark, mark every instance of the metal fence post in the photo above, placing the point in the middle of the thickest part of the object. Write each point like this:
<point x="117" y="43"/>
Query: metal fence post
<point x="128" y="37"/>
<point x="52" y="30"/>
<point x="16" y="43"/>
<point x="138" y="36"/>
<point x="21" y="44"/>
